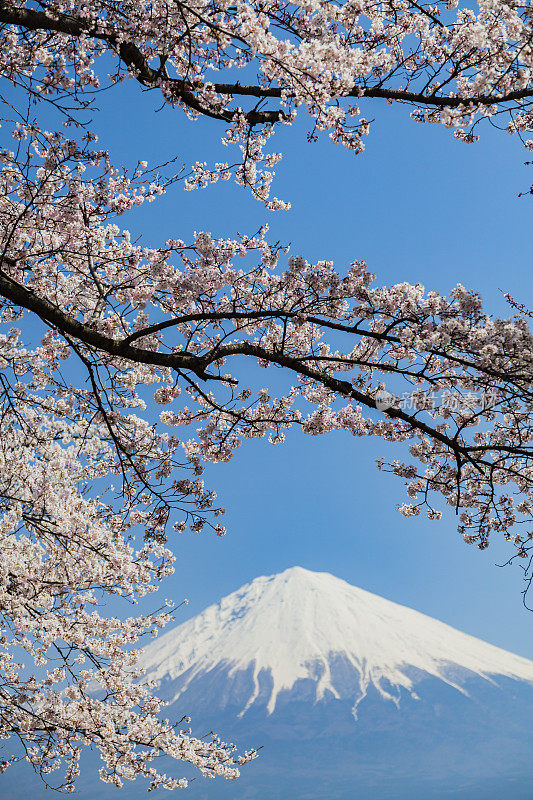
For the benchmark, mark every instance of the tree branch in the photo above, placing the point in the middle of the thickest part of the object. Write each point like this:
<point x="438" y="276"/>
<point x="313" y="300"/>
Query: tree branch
<point x="183" y="90"/>
<point x="21" y="296"/>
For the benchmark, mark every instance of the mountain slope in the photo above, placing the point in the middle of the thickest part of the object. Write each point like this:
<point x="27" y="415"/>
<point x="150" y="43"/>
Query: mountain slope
<point x="307" y="630"/>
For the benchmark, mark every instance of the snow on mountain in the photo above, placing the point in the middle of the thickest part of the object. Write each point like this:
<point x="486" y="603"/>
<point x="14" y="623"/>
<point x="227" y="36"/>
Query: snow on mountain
<point x="297" y="624"/>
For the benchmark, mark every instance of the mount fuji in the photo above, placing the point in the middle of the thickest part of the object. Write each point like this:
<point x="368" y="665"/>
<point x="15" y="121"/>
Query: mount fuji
<point x="349" y="694"/>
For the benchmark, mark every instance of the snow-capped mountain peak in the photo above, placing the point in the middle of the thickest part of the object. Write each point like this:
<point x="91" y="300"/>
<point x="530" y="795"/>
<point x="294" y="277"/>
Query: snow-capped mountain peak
<point x="299" y="624"/>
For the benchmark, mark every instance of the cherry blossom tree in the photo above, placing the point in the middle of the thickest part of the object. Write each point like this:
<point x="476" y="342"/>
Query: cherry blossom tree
<point x="98" y="330"/>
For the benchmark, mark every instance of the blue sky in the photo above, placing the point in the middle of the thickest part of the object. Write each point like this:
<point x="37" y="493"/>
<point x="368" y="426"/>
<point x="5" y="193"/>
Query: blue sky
<point x="417" y="206"/>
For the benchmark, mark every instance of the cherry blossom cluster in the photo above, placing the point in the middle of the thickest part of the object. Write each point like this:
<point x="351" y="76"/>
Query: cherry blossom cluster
<point x="176" y="317"/>
<point x="87" y="486"/>
<point x="62" y="550"/>
<point x="452" y="63"/>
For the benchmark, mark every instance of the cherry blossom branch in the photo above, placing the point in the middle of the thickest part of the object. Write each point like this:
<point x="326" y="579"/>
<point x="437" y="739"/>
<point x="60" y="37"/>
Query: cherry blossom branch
<point x="147" y="76"/>
<point x="63" y="322"/>
<point x="132" y="57"/>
